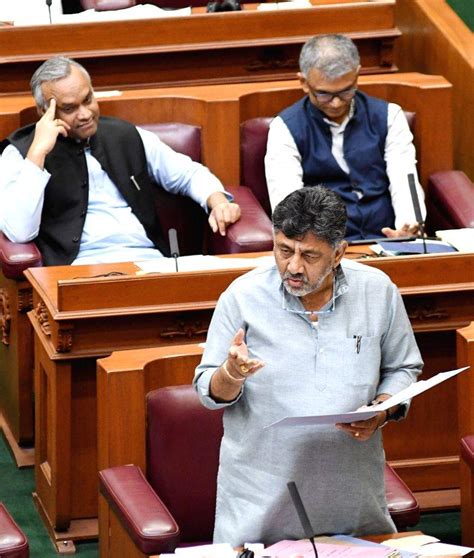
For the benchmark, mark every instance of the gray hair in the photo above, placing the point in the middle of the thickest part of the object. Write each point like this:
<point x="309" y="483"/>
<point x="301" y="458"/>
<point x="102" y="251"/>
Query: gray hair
<point x="312" y="209"/>
<point x="53" y="69"/>
<point x="332" y="55"/>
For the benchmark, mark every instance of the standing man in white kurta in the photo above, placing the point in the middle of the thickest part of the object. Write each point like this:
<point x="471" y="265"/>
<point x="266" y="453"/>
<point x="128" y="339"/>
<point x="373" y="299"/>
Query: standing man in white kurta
<point x="311" y="334"/>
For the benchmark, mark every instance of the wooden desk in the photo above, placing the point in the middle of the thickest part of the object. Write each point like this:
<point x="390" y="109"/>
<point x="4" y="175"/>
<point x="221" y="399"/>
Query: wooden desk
<point x="220" y="109"/>
<point x="77" y="321"/>
<point x="199" y="49"/>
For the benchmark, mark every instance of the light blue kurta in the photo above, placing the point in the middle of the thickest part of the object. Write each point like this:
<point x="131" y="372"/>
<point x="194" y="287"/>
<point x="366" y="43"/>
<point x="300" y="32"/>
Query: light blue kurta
<point x="308" y="371"/>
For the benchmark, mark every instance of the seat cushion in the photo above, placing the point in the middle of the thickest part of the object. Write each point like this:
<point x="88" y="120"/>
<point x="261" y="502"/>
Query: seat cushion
<point x="253" y="146"/>
<point x="13" y="542"/>
<point x="183" y="443"/>
<point x="183" y="138"/>
<point x="401" y="502"/>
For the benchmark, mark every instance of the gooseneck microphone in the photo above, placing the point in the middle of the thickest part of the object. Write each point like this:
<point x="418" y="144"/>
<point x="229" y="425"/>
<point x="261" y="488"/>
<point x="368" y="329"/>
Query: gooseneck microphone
<point x="48" y="3"/>
<point x="174" y="248"/>
<point x="416" y="206"/>
<point x="303" y="516"/>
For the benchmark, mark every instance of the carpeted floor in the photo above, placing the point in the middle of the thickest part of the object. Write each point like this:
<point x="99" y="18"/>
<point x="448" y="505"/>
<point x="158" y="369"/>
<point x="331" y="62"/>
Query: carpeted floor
<point x="16" y="486"/>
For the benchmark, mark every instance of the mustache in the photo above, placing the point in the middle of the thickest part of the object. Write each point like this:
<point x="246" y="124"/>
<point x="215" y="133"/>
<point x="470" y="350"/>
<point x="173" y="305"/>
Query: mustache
<point x="296" y="276"/>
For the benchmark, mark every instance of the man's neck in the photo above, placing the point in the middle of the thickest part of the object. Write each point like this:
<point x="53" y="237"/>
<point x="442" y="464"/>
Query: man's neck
<point x="316" y="300"/>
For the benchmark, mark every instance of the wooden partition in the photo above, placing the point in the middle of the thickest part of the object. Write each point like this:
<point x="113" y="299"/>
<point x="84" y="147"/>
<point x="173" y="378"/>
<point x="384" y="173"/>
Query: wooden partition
<point x="202" y="48"/>
<point x="220" y="109"/>
<point x="435" y="40"/>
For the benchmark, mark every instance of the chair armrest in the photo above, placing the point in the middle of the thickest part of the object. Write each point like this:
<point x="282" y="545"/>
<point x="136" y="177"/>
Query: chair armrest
<point x="467" y="450"/>
<point x="16" y="257"/>
<point x="401" y="502"/>
<point x="251" y="233"/>
<point x="139" y="510"/>
<point x="450" y="195"/>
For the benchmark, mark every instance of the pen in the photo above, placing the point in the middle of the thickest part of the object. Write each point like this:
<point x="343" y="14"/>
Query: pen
<point x="358" y="339"/>
<point x="135" y="183"/>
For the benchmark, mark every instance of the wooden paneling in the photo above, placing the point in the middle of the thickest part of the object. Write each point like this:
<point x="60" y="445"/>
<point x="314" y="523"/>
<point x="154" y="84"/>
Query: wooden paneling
<point x="202" y="48"/>
<point x="220" y="109"/>
<point x="439" y="300"/>
<point x="436" y="41"/>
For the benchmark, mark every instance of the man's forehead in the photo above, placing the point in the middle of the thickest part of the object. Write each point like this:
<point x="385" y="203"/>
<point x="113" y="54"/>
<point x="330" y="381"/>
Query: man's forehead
<point x="68" y="89"/>
<point x="319" y="80"/>
<point x="308" y="241"/>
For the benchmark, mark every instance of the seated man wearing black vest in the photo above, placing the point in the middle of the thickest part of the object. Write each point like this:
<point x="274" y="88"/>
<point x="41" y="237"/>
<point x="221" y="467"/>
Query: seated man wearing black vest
<point x="81" y="185"/>
<point x="359" y="146"/>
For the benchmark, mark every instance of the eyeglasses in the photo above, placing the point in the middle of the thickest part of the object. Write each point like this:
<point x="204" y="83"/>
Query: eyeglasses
<point x="325" y="97"/>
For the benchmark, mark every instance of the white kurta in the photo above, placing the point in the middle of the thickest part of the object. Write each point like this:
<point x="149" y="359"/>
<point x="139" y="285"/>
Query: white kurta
<point x="308" y="371"/>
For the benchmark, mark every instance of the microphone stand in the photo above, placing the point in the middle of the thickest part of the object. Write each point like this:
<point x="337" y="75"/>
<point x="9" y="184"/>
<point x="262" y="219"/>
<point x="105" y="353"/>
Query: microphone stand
<point x="174" y="247"/>
<point x="48" y="3"/>
<point x="302" y="515"/>
<point x="416" y="207"/>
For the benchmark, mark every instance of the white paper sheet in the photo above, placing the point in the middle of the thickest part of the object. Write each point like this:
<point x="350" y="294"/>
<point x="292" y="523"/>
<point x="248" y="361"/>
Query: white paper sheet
<point x="201" y="263"/>
<point x="365" y="413"/>
<point x="461" y="239"/>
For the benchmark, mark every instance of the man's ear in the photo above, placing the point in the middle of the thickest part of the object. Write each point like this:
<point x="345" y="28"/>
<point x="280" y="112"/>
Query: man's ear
<point x="303" y="82"/>
<point x="340" y="251"/>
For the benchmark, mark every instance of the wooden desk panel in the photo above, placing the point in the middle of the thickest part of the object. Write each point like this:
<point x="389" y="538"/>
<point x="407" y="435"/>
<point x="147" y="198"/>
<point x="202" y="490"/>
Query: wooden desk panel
<point x="220" y="109"/>
<point x="202" y="48"/>
<point x="68" y="342"/>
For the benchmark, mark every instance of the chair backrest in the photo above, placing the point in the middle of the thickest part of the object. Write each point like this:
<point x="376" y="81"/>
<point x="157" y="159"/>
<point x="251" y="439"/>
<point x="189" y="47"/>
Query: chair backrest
<point x="180" y="212"/>
<point x="253" y="146"/>
<point x="183" y="443"/>
<point x="104" y="5"/>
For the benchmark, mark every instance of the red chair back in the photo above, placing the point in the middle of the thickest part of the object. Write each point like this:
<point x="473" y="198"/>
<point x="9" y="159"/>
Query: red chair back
<point x="253" y="146"/>
<point x="183" y="443"/>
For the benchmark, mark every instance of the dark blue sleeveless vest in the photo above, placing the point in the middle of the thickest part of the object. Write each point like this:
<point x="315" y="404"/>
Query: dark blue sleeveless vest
<point x="118" y="147"/>
<point x="364" y="145"/>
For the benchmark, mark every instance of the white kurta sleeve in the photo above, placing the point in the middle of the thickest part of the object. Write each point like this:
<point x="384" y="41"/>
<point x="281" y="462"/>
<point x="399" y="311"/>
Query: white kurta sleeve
<point x="22" y="186"/>
<point x="400" y="158"/>
<point x="178" y="173"/>
<point x="283" y="168"/>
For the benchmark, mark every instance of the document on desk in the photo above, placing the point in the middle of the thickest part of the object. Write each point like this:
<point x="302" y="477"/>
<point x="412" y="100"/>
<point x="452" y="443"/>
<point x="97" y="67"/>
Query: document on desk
<point x="286" y="549"/>
<point x="366" y="412"/>
<point x="201" y="263"/>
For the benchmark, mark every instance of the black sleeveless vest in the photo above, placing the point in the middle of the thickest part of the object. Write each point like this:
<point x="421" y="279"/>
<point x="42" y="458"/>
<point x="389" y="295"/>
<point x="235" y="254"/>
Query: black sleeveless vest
<point x="119" y="149"/>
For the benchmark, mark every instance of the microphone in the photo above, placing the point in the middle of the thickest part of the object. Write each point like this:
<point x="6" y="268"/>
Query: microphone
<point x="303" y="516"/>
<point x="174" y="248"/>
<point x="416" y="206"/>
<point x="48" y="3"/>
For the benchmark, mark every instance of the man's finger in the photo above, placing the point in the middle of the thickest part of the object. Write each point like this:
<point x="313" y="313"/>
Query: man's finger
<point x="51" y="110"/>
<point x="220" y="219"/>
<point x="388" y="232"/>
<point x="212" y="222"/>
<point x="238" y="337"/>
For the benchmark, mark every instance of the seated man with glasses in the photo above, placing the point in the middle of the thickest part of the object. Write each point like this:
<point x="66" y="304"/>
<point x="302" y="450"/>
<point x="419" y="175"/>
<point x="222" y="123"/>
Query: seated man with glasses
<point x="310" y="334"/>
<point x="357" y="145"/>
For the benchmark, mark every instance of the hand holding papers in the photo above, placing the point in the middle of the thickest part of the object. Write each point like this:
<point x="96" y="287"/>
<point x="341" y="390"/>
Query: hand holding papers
<point x="365" y="413"/>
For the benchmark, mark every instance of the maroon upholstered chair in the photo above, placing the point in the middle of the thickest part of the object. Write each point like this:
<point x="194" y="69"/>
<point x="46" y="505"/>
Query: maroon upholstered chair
<point x="252" y="233"/>
<point x="449" y="193"/>
<point x="104" y="5"/>
<point x="467" y="490"/>
<point x="175" y="503"/>
<point x="13" y="542"/>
